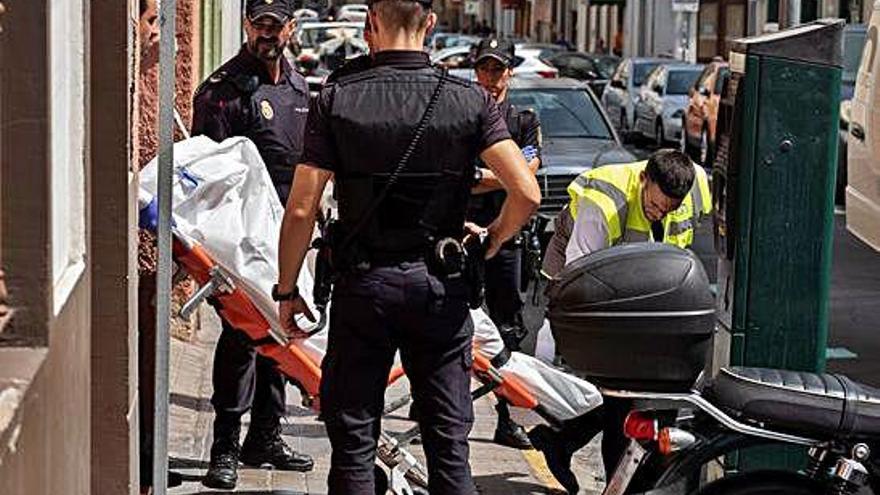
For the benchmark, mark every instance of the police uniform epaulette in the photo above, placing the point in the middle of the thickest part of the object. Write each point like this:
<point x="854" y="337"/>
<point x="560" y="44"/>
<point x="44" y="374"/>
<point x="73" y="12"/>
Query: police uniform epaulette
<point x="244" y="82"/>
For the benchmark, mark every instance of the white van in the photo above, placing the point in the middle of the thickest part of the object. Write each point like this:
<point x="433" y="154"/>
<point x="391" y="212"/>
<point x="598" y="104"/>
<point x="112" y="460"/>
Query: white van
<point x="863" y="176"/>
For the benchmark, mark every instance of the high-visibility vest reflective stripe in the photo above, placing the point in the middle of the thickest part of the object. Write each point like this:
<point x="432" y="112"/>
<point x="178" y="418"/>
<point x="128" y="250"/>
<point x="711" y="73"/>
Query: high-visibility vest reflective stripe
<point x="679" y="225"/>
<point x="609" y="199"/>
<point x="615" y="188"/>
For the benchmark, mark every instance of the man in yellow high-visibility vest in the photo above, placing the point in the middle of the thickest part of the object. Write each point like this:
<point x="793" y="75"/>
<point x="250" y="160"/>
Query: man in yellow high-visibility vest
<point x="662" y="199"/>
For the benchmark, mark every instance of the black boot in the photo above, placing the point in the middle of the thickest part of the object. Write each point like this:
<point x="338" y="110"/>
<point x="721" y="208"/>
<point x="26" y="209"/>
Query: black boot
<point x="264" y="446"/>
<point x="557" y="454"/>
<point x="509" y="433"/>
<point x="558" y="447"/>
<point x="223" y="469"/>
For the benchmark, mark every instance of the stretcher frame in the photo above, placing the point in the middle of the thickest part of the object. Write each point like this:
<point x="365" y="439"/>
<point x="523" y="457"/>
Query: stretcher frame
<point x="303" y="372"/>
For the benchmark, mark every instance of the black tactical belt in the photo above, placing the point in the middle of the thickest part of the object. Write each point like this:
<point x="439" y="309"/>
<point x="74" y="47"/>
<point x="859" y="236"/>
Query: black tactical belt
<point x="502" y="358"/>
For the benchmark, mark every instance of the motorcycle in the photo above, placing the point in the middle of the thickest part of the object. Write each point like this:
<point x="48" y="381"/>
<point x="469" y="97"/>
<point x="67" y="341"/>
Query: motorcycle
<point x="835" y="419"/>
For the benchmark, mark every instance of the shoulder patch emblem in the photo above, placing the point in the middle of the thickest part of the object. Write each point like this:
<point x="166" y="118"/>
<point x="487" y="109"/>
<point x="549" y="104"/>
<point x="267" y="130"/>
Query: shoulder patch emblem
<point x="267" y="110"/>
<point x="217" y="77"/>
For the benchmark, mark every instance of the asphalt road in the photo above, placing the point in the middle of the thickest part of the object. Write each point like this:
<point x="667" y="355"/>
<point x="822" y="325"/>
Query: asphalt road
<point x="854" y="333"/>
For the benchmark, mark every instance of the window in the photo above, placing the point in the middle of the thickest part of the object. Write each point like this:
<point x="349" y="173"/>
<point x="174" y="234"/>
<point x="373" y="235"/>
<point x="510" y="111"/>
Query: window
<point x="654" y="78"/>
<point x="703" y="80"/>
<point x="680" y="81"/>
<point x="67" y="146"/>
<point x="641" y="72"/>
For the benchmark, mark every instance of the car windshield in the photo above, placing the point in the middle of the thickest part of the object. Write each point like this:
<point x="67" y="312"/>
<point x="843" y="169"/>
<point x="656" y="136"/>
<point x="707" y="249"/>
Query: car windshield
<point x="312" y="37"/>
<point x="678" y="82"/>
<point x="606" y="66"/>
<point x="853" y="43"/>
<point x="564" y="113"/>
<point x="641" y="71"/>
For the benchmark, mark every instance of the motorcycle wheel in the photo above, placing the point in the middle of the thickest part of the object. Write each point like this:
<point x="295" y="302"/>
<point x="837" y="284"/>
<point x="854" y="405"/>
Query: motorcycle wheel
<point x="763" y="483"/>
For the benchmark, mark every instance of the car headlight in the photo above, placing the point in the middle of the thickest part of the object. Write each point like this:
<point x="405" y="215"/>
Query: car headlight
<point x="677" y="114"/>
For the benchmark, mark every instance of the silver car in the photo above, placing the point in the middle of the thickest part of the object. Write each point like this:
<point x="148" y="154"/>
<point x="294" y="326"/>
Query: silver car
<point x="620" y="95"/>
<point x="662" y="102"/>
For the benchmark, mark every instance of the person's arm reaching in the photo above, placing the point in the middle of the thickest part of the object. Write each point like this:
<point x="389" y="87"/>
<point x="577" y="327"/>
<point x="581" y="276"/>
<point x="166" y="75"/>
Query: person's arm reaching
<point x="296" y="234"/>
<point x="309" y="179"/>
<point x="589" y="233"/>
<point x="506" y="161"/>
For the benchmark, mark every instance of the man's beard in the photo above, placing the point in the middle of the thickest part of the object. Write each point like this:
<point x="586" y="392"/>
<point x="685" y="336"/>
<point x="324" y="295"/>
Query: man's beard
<point x="268" y="50"/>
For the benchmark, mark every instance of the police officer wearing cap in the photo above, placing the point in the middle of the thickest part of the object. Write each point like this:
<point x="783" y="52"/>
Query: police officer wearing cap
<point x="400" y="140"/>
<point x="494" y="62"/>
<point x="258" y="95"/>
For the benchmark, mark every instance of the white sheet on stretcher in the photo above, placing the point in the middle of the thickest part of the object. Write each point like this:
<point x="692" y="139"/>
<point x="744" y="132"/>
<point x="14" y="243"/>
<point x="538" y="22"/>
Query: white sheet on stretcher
<point x="224" y="200"/>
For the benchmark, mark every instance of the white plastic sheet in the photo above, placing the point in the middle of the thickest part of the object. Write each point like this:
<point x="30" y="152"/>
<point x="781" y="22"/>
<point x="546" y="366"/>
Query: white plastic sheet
<point x="224" y="200"/>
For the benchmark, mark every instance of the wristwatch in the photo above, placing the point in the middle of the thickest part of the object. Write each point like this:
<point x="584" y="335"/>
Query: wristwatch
<point x="478" y="175"/>
<point x="288" y="296"/>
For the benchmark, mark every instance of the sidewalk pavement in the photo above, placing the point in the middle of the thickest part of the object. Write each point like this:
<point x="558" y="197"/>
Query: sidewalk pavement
<point x="497" y="470"/>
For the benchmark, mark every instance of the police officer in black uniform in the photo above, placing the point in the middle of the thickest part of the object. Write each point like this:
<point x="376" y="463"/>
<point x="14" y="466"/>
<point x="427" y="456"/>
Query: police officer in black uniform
<point x="494" y="61"/>
<point x="258" y="95"/>
<point x="401" y="222"/>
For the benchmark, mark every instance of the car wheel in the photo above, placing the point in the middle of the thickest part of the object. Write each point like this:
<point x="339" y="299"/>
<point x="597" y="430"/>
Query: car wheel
<point x="659" y="136"/>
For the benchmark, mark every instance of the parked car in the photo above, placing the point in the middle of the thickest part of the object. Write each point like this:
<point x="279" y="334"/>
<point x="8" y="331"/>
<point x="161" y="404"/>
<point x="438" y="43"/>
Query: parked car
<point x="863" y="174"/>
<point x="459" y="61"/>
<point x="853" y="45"/>
<point x="306" y="15"/>
<point x="442" y="41"/>
<point x="595" y="69"/>
<point x="312" y="35"/>
<point x="621" y="92"/>
<point x="577" y="135"/>
<point x="354" y="12"/>
<point x="701" y="113"/>
<point x="662" y="100"/>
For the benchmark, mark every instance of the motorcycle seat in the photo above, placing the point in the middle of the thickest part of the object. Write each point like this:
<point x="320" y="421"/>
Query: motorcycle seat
<point x="820" y="406"/>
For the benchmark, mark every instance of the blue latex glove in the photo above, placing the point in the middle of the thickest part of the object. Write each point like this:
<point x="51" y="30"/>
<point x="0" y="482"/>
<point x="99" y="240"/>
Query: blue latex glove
<point x="148" y="217"/>
<point x="530" y="153"/>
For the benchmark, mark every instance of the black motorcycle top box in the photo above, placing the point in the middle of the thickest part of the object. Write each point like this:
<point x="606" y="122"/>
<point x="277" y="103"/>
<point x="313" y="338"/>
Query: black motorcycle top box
<point x="634" y="317"/>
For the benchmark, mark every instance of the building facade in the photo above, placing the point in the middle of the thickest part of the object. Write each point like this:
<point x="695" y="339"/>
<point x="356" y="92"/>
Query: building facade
<point x="68" y="394"/>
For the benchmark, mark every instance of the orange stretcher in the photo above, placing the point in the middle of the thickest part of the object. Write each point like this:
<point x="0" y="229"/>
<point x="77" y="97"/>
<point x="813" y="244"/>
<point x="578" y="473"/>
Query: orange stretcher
<point x="300" y="368"/>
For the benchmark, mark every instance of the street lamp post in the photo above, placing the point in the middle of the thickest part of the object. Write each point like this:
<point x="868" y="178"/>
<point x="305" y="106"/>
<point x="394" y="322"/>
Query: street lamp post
<point x="167" y="31"/>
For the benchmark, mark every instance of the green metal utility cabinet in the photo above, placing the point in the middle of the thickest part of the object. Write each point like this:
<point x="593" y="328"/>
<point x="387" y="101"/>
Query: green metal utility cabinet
<point x="773" y="185"/>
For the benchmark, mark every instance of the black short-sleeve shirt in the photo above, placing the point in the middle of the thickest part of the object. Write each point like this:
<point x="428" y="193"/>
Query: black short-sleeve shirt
<point x="321" y="147"/>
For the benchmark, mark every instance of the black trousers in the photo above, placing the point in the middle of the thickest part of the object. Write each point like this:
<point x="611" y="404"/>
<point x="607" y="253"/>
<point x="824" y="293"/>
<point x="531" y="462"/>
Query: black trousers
<point x="373" y="314"/>
<point x="244" y="380"/>
<point x="503" y="299"/>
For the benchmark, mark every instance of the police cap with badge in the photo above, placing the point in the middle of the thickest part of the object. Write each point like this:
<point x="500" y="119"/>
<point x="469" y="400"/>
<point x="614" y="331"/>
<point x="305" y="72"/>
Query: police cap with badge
<point x="501" y="50"/>
<point x="424" y="3"/>
<point x="280" y="10"/>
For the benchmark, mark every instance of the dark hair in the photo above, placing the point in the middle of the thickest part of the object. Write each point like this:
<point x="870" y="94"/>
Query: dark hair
<point x="673" y="171"/>
<point x="143" y="5"/>
<point x="401" y="14"/>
